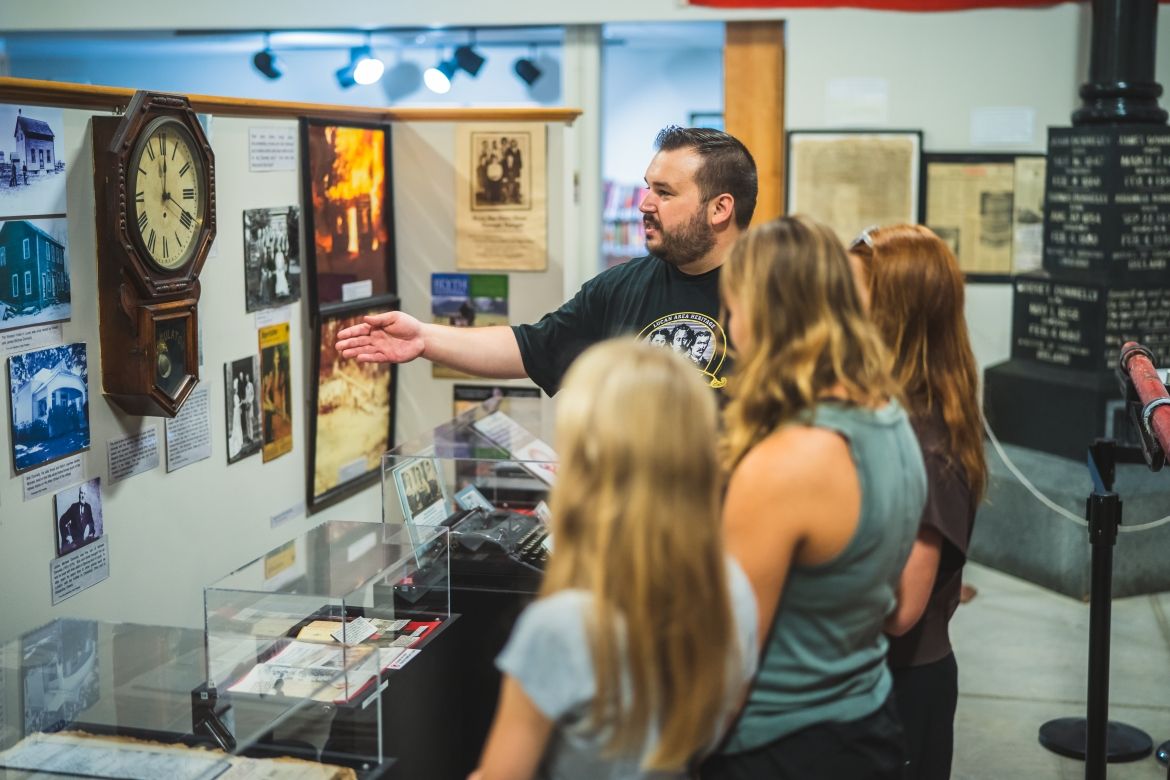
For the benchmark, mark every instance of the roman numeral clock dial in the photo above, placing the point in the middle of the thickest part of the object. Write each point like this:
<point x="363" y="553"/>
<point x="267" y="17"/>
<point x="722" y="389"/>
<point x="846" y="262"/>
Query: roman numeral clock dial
<point x="166" y="177"/>
<point x="154" y="181"/>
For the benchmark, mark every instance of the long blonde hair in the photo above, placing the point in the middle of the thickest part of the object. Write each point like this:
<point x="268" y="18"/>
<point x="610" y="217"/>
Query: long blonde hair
<point x="636" y="523"/>
<point x="916" y="295"/>
<point x="808" y="332"/>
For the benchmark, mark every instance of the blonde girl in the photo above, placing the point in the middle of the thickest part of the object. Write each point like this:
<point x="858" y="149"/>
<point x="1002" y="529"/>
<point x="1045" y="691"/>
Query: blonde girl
<point x="644" y="633"/>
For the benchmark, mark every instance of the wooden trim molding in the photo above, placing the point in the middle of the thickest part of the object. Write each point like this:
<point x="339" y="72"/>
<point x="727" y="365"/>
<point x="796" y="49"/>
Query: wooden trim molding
<point x="85" y="96"/>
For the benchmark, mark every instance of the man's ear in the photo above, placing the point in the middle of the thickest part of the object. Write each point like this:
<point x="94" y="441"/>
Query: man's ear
<point x="721" y="210"/>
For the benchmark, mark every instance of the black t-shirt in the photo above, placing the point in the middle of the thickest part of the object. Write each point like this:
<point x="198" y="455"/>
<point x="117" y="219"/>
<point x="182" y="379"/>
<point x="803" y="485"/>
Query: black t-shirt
<point x="950" y="510"/>
<point x="646" y="297"/>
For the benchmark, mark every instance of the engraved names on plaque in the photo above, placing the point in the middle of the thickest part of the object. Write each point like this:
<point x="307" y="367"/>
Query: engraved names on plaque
<point x="1107" y="206"/>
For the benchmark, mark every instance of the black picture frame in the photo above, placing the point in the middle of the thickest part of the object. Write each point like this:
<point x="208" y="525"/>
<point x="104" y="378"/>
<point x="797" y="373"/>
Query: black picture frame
<point x="930" y="159"/>
<point x="364" y="217"/>
<point x="821" y="188"/>
<point x="323" y="449"/>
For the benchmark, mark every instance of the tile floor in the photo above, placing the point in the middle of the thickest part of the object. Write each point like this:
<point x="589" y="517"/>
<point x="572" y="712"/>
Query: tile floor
<point x="1022" y="653"/>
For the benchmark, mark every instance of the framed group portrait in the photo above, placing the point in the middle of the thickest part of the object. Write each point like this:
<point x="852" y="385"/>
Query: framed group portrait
<point x="352" y="414"/>
<point x="349" y="213"/>
<point x="854" y="179"/>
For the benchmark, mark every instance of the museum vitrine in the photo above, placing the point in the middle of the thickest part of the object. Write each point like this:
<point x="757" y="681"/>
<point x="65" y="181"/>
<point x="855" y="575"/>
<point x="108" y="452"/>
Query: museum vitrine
<point x="484" y="475"/>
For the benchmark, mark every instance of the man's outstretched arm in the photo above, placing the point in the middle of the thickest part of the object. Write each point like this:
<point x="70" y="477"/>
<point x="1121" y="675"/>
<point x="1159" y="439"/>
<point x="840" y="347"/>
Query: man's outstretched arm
<point x="396" y="337"/>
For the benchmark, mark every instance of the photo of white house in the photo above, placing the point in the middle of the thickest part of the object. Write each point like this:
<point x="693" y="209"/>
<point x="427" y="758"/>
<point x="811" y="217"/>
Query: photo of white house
<point x="50" y="404"/>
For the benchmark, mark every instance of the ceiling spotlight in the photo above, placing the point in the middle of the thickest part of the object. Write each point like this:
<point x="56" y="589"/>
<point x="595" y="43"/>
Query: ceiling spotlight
<point x="363" y="68"/>
<point x="469" y="59"/>
<point x="267" y="62"/>
<point x="527" y="71"/>
<point x="438" y="78"/>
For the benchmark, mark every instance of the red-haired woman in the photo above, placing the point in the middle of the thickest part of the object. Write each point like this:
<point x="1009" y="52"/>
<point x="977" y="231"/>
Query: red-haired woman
<point x="915" y="292"/>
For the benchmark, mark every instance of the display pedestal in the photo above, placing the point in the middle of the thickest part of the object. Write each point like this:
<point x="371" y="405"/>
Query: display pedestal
<point x="1018" y="535"/>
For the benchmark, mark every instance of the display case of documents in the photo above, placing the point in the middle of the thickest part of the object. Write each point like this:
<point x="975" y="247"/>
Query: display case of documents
<point x="80" y="698"/>
<point x="485" y="476"/>
<point x="328" y="618"/>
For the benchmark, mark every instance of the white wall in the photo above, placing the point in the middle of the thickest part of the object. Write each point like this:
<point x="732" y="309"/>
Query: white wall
<point x="170" y="534"/>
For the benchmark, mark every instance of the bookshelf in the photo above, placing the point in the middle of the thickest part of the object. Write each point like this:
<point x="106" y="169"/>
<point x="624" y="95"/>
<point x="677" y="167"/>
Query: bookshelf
<point x="623" y="236"/>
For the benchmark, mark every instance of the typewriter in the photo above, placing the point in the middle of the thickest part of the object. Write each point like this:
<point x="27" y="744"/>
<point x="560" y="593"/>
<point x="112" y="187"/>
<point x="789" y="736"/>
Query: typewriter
<point x="491" y="547"/>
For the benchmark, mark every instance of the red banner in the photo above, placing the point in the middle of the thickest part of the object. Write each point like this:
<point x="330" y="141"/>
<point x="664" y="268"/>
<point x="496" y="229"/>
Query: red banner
<point x="884" y="5"/>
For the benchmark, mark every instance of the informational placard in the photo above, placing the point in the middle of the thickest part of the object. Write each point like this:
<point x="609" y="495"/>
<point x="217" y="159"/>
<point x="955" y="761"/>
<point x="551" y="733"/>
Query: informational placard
<point x="25" y="339"/>
<point x="293" y="512"/>
<point x="70" y="574"/>
<point x="133" y="454"/>
<point x="189" y="433"/>
<point x="53" y="477"/>
<point x="355" y="291"/>
<point x="268" y="317"/>
<point x="1003" y="126"/>
<point x="272" y="149"/>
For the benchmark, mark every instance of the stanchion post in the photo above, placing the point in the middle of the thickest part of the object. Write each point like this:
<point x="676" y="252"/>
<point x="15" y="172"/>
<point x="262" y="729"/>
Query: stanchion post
<point x="1093" y="737"/>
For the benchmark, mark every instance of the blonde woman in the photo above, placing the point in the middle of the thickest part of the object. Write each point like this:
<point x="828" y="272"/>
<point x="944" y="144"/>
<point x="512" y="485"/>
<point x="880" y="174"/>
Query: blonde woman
<point x="643" y="637"/>
<point x="826" y="487"/>
<point x="915" y="292"/>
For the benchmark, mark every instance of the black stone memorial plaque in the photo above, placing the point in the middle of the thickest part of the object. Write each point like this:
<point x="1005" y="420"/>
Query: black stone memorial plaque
<point x="1107" y="203"/>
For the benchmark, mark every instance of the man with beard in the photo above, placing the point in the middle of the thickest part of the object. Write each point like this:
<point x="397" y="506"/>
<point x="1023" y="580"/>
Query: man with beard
<point x="701" y="193"/>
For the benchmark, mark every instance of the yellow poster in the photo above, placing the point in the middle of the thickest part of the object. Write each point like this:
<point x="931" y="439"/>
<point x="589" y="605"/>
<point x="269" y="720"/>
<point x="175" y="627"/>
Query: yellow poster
<point x="275" y="391"/>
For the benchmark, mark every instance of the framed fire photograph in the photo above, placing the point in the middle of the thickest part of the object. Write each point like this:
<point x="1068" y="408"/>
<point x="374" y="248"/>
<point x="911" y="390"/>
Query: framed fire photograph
<point x="349" y="213"/>
<point x="854" y="179"/>
<point x="352" y="422"/>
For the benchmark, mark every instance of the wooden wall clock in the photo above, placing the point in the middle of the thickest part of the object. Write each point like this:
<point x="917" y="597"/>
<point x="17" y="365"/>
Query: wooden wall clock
<point x="154" y="180"/>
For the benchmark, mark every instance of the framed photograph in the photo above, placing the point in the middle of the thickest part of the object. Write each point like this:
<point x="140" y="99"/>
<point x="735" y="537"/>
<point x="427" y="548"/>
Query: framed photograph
<point x="501" y="200"/>
<point x="854" y="179"/>
<point x="349" y="216"/>
<point x="275" y="392"/>
<point x="59" y="673"/>
<point x="78" y="516"/>
<point x="32" y="169"/>
<point x="1028" y="213"/>
<point x="970" y="205"/>
<point x="272" y="257"/>
<point x="421" y="491"/>
<point x="241" y="381"/>
<point x="353" y="420"/>
<point x="34" y="272"/>
<point x="49" y="391"/>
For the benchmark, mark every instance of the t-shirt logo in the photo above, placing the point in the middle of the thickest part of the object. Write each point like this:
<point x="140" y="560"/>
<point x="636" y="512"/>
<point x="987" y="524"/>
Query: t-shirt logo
<point x="700" y="338"/>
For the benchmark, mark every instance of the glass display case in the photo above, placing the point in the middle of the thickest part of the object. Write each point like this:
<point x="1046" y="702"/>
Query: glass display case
<point x="327" y="618"/>
<point x="80" y="698"/>
<point x="485" y="476"/>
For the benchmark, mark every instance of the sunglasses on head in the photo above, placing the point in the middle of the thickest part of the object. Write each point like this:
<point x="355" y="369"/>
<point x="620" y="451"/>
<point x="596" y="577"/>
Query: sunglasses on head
<point x="864" y="238"/>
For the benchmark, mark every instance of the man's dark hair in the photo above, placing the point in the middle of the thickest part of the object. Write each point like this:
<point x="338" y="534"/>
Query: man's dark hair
<point x="727" y="165"/>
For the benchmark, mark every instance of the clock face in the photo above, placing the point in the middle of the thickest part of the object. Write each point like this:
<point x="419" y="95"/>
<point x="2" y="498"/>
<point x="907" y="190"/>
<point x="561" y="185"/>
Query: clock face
<point x="168" y="181"/>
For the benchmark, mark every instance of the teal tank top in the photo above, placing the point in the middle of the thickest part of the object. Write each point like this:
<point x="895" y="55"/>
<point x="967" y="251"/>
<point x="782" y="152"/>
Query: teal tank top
<point x="825" y="657"/>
